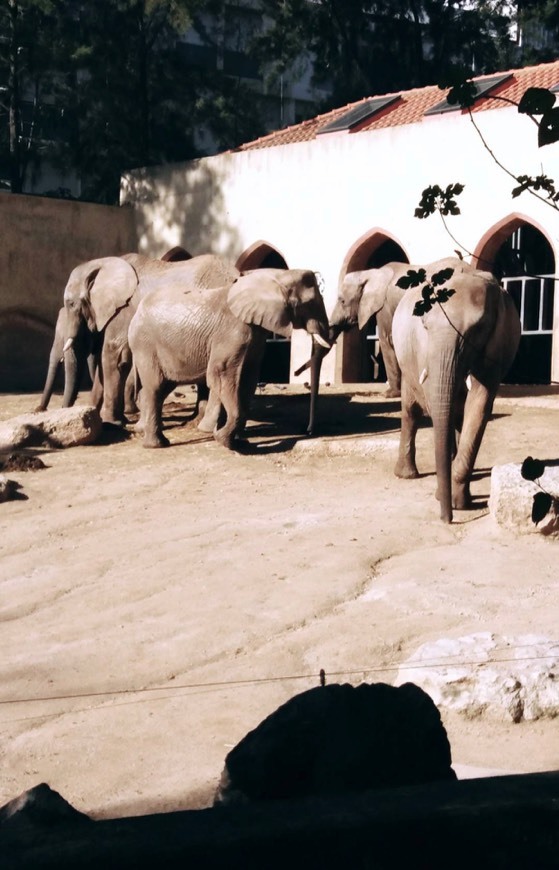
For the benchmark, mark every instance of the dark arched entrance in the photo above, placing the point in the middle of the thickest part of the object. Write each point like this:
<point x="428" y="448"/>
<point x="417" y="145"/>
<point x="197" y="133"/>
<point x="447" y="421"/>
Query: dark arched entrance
<point x="361" y="355"/>
<point x="519" y="254"/>
<point x="275" y="365"/>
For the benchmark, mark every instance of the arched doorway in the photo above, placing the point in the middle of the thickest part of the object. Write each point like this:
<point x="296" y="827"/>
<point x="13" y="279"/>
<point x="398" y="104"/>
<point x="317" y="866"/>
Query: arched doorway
<point x="275" y="365"/>
<point x="25" y="343"/>
<point x="361" y="357"/>
<point x="519" y="254"/>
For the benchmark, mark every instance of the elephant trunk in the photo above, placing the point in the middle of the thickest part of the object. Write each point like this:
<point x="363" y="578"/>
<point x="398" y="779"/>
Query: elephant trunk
<point x="442" y="396"/>
<point x="319" y="351"/>
<point x="73" y="365"/>
<point x="54" y="361"/>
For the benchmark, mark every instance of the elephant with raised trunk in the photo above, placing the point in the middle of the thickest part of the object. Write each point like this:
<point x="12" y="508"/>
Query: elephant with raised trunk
<point x="474" y="335"/>
<point x="104" y="294"/>
<point x="218" y="336"/>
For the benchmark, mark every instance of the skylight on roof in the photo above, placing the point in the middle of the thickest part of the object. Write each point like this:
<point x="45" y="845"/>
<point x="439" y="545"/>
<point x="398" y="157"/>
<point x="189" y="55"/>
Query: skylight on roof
<point x="360" y="113"/>
<point x="483" y="87"/>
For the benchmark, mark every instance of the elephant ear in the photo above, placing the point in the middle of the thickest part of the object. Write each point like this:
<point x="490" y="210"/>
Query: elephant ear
<point x="109" y="286"/>
<point x="374" y="293"/>
<point x="260" y="299"/>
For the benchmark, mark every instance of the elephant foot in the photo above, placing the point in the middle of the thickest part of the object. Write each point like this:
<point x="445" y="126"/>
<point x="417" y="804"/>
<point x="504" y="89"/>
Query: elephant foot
<point x="117" y="422"/>
<point x="156" y="441"/>
<point x="461" y="497"/>
<point x="405" y="471"/>
<point x="206" y="425"/>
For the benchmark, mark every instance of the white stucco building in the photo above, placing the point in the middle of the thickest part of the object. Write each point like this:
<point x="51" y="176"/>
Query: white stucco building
<point x="336" y="197"/>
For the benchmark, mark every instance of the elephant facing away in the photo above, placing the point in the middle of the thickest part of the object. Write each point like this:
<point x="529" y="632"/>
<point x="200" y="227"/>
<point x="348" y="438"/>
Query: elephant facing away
<point x="374" y="292"/>
<point x="104" y="294"/>
<point x="182" y="336"/>
<point x="474" y="335"/>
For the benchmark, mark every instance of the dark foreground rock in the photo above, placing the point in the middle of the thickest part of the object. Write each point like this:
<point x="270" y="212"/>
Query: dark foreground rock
<point x="502" y="822"/>
<point x="340" y="738"/>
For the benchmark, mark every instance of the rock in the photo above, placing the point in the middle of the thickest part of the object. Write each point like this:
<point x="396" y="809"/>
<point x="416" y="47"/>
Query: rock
<point x="339" y="738"/>
<point x="511" y="499"/>
<point x="21" y="462"/>
<point x="64" y="427"/>
<point x="39" y="806"/>
<point x="484" y="674"/>
<point x="8" y="488"/>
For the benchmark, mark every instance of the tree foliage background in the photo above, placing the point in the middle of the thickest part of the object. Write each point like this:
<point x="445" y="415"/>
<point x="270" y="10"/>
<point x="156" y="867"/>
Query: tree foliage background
<point x="101" y="87"/>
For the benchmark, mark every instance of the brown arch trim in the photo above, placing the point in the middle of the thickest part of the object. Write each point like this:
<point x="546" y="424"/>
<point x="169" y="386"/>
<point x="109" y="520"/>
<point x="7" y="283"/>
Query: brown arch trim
<point x="357" y="256"/>
<point x="488" y="246"/>
<point x="17" y="318"/>
<point x="255" y="255"/>
<point x="175" y="254"/>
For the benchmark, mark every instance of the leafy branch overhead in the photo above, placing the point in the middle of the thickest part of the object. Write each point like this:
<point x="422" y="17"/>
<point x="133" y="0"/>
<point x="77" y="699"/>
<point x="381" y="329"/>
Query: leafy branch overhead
<point x="434" y="198"/>
<point x="432" y="293"/>
<point x="533" y="469"/>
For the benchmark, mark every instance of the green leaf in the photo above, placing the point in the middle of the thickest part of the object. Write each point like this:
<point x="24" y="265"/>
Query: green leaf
<point x="536" y="101"/>
<point x="532" y="469"/>
<point x="541" y="505"/>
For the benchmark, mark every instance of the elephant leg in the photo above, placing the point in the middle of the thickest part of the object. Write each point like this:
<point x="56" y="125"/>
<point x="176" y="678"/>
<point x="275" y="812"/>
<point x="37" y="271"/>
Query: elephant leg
<point x="202" y="396"/>
<point x="411" y="414"/>
<point x="224" y="387"/>
<point x="477" y="410"/>
<point x="393" y="373"/>
<point x="212" y="414"/>
<point x="97" y="390"/>
<point x="130" y="403"/>
<point x="117" y="363"/>
<point x="150" y="423"/>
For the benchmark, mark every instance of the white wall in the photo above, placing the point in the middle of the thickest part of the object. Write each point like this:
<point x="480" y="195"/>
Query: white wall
<point x="313" y="200"/>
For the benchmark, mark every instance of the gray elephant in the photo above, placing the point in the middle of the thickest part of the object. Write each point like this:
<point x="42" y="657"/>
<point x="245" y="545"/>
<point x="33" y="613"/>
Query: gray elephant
<point x="368" y="293"/>
<point x="104" y="294"/>
<point x="218" y="336"/>
<point x="375" y="292"/>
<point x="474" y="336"/>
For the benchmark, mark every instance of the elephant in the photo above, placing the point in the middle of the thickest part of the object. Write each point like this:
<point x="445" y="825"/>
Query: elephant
<point x="217" y="336"/>
<point x="471" y="338"/>
<point x="104" y="294"/>
<point x="363" y="294"/>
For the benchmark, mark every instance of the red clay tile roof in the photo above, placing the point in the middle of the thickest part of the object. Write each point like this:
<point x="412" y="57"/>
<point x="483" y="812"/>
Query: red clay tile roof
<point x="412" y="105"/>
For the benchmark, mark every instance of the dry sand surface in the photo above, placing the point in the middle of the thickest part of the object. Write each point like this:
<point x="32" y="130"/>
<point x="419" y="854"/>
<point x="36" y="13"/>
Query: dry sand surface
<point x="156" y="605"/>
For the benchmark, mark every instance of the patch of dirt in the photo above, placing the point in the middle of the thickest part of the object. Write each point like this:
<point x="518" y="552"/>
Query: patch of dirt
<point x="155" y="605"/>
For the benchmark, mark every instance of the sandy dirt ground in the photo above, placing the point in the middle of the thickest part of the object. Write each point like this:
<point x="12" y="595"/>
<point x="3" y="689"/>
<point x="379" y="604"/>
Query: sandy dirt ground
<point x="156" y="605"/>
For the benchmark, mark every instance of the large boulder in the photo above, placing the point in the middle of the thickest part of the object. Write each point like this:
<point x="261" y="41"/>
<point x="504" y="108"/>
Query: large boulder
<point x="339" y="738"/>
<point x="64" y="427"/>
<point x="512" y="497"/>
<point x="483" y="674"/>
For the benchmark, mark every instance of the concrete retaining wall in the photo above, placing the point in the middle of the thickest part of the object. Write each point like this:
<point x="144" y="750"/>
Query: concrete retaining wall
<point x="42" y="240"/>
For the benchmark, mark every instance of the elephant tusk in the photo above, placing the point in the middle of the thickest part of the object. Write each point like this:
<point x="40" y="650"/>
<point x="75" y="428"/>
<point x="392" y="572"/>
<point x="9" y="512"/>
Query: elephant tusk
<point x="469" y="382"/>
<point x="321" y="341"/>
<point x="68" y="345"/>
<point x="423" y="376"/>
